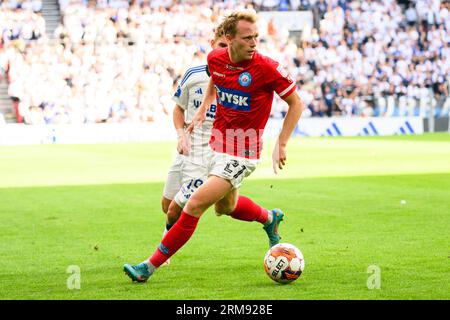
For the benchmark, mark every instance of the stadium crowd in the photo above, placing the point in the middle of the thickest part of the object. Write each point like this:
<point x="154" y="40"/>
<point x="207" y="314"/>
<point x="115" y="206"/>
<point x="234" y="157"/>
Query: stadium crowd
<point x="119" y="61"/>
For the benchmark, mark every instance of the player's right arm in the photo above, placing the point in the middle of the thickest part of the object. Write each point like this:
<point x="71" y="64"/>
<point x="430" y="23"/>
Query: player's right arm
<point x="286" y="88"/>
<point x="296" y="107"/>
<point x="208" y="99"/>
<point x="178" y="122"/>
<point x="181" y="98"/>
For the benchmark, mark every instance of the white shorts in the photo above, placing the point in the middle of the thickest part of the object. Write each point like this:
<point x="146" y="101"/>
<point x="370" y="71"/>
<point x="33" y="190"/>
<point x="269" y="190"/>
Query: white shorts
<point x="174" y="178"/>
<point x="194" y="174"/>
<point x="232" y="168"/>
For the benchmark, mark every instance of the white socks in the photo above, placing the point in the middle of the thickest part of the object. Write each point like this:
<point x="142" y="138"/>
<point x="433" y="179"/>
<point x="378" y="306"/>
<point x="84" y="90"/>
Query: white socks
<point x="269" y="218"/>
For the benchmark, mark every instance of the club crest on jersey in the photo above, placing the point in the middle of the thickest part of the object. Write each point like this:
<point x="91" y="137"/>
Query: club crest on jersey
<point x="245" y="79"/>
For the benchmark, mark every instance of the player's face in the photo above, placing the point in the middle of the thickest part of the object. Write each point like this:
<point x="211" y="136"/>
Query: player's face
<point x="243" y="44"/>
<point x="219" y="43"/>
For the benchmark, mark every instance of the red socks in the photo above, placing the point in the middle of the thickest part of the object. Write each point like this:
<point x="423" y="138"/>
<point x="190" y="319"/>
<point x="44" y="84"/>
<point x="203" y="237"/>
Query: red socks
<point x="177" y="236"/>
<point x="183" y="229"/>
<point x="247" y="210"/>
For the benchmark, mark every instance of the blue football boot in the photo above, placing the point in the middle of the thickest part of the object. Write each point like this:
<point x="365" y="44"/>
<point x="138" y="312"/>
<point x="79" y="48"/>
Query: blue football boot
<point x="139" y="272"/>
<point x="272" y="228"/>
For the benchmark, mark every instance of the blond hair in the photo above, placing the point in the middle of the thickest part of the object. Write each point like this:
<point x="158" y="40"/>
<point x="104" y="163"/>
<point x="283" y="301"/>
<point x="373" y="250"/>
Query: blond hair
<point x="229" y="24"/>
<point x="218" y="32"/>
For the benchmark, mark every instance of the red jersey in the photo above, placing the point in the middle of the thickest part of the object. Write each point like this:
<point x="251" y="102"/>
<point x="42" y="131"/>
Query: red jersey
<point x="244" y="100"/>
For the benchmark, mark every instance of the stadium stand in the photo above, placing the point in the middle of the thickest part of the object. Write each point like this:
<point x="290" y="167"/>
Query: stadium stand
<point x="51" y="14"/>
<point x="119" y="61"/>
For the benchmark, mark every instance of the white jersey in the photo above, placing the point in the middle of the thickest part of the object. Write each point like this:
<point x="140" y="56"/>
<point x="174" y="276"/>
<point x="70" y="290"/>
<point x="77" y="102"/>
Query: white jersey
<point x="189" y="96"/>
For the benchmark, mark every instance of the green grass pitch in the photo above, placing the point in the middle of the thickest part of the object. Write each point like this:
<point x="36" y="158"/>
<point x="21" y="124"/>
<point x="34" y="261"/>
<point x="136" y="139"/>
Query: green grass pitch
<point x="98" y="207"/>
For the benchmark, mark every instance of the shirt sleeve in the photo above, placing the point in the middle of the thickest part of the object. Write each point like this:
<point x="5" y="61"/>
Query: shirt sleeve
<point x="209" y="63"/>
<point x="279" y="80"/>
<point x="181" y="95"/>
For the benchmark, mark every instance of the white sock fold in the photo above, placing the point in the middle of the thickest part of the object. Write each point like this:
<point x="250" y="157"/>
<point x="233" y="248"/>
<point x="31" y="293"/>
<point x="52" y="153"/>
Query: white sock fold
<point x="269" y="218"/>
<point x="151" y="267"/>
<point x="165" y="231"/>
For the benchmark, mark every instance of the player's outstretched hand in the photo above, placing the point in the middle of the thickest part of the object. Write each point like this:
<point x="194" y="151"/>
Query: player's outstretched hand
<point x="278" y="157"/>
<point x="197" y="120"/>
<point x="183" y="144"/>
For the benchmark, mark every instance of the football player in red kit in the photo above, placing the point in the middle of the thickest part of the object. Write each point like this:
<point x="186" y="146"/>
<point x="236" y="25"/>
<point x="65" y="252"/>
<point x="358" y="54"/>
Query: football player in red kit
<point x="244" y="82"/>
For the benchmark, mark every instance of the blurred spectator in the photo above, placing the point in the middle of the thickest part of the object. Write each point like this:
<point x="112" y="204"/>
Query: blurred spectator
<point x="411" y="15"/>
<point x="3" y="64"/>
<point x="21" y="20"/>
<point x="382" y="61"/>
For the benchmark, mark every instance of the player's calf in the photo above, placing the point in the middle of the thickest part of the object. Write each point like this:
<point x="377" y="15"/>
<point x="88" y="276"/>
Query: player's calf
<point x="173" y="213"/>
<point x="247" y="210"/>
<point x="223" y="210"/>
<point x="165" y="203"/>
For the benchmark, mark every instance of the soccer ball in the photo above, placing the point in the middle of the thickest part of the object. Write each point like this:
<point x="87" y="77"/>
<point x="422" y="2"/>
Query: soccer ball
<point x="284" y="263"/>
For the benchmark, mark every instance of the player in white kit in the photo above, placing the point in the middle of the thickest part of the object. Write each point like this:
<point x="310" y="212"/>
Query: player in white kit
<point x="190" y="167"/>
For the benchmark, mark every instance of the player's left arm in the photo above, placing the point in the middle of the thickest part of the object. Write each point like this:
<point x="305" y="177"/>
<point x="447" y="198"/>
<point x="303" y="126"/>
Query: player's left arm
<point x="296" y="107"/>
